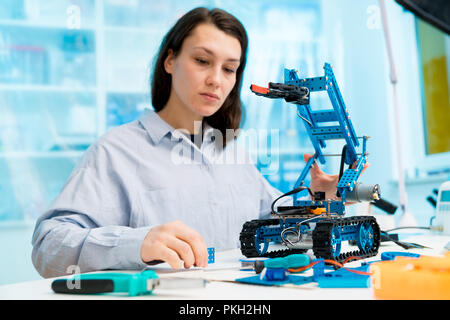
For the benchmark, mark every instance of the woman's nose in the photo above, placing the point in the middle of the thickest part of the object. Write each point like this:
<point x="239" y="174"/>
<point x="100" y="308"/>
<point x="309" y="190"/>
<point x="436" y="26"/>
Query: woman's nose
<point x="213" y="77"/>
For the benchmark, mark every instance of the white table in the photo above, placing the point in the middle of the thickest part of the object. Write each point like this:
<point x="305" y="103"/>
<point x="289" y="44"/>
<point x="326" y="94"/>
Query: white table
<point x="226" y="268"/>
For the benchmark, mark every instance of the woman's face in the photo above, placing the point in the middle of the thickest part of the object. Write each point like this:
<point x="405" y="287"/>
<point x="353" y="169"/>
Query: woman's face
<point x="204" y="71"/>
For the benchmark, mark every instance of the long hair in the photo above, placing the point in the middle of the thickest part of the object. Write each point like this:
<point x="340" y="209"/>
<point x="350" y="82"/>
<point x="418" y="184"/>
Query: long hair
<point x="230" y="113"/>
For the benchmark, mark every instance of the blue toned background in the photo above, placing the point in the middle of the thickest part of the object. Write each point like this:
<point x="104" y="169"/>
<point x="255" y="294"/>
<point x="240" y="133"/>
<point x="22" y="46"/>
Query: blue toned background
<point x="72" y="69"/>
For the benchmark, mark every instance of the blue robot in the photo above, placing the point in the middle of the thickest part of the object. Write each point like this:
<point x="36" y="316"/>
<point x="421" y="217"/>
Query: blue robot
<point x="319" y="223"/>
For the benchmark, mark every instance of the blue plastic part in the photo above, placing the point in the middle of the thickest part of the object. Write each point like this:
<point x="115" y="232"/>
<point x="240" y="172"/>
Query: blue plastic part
<point x="211" y="255"/>
<point x="348" y="280"/>
<point x="290" y="279"/>
<point x="365" y="237"/>
<point x="341" y="278"/>
<point x="336" y="241"/>
<point x="319" y="270"/>
<point x="275" y="274"/>
<point x="391" y="255"/>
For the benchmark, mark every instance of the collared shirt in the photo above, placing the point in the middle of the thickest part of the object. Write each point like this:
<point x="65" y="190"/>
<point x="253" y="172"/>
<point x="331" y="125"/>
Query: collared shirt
<point x="140" y="175"/>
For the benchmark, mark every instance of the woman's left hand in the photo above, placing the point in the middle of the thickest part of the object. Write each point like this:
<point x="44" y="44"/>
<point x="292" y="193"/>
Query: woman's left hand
<point x="320" y="181"/>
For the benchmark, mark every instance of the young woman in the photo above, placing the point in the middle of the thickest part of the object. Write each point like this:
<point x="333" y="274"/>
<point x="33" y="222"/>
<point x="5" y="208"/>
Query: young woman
<point x="154" y="189"/>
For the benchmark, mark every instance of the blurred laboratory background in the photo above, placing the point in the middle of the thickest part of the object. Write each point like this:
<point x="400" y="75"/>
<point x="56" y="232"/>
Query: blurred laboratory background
<point x="72" y="69"/>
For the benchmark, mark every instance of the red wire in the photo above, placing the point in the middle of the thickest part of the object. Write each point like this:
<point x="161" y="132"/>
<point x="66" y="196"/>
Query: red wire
<point x="340" y="265"/>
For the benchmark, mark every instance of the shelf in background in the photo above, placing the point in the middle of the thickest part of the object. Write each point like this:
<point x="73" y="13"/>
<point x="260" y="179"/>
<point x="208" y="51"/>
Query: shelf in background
<point x="139" y="30"/>
<point x="33" y="24"/>
<point x="9" y="225"/>
<point x="127" y="91"/>
<point x="45" y="88"/>
<point x="438" y="178"/>
<point x="43" y="154"/>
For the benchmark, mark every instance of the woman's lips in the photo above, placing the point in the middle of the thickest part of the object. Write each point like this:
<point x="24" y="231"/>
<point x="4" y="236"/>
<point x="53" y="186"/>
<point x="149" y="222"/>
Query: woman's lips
<point x="209" y="96"/>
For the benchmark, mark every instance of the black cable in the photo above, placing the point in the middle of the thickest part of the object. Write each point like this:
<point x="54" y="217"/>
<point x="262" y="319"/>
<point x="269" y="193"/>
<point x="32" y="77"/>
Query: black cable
<point x="296" y="190"/>
<point x="341" y="169"/>
<point x="404" y="245"/>
<point x="399" y="228"/>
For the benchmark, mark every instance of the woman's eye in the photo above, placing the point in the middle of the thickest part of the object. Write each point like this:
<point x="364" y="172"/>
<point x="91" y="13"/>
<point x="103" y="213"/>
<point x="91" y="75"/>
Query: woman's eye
<point x="228" y="70"/>
<point x="201" y="61"/>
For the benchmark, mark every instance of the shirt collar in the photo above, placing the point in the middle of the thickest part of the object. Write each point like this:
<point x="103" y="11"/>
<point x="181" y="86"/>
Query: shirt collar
<point x="157" y="128"/>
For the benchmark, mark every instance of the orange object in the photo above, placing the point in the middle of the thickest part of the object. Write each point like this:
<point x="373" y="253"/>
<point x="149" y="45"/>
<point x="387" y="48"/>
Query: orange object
<point x="318" y="211"/>
<point x="424" y="278"/>
<point x="328" y="261"/>
<point x="259" y="89"/>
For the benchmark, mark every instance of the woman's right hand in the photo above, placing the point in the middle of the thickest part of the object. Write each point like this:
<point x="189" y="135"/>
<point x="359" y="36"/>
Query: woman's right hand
<point x="174" y="242"/>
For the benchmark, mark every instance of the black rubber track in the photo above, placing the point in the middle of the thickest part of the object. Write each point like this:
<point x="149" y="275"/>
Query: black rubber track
<point x="321" y="239"/>
<point x="247" y="238"/>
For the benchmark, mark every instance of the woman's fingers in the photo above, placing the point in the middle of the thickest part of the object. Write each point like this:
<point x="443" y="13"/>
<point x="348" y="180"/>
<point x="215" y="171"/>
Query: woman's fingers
<point x="195" y="242"/>
<point x="366" y="165"/>
<point x="307" y="156"/>
<point x="164" y="253"/>
<point x="315" y="170"/>
<point x="174" y="242"/>
<point x="184" y="251"/>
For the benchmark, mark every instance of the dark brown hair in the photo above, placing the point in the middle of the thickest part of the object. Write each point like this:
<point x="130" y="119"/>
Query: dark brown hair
<point x="229" y="115"/>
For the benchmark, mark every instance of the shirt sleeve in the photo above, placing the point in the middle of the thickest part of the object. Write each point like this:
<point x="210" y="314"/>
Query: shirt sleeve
<point x="86" y="227"/>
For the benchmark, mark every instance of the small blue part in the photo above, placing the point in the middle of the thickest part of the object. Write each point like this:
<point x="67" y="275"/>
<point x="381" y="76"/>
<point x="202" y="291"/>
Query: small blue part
<point x="290" y="279"/>
<point x="391" y="255"/>
<point x="319" y="270"/>
<point x="350" y="280"/>
<point x="211" y="255"/>
<point x="341" y="278"/>
<point x="275" y="274"/>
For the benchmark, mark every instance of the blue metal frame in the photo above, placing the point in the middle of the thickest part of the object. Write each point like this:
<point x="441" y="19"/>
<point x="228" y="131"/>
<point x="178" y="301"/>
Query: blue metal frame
<point x="319" y="132"/>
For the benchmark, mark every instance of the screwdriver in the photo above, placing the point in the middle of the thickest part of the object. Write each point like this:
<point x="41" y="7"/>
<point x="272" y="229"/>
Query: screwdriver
<point x="132" y="283"/>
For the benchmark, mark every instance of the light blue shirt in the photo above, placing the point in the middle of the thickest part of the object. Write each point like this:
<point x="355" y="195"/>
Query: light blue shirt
<point x="140" y="175"/>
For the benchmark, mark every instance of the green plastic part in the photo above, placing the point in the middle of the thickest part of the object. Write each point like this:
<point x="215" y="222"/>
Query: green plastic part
<point x="133" y="283"/>
<point x="291" y="261"/>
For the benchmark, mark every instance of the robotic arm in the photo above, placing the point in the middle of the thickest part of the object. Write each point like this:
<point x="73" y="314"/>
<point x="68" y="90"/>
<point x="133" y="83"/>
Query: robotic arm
<point x="318" y="224"/>
<point x="317" y="124"/>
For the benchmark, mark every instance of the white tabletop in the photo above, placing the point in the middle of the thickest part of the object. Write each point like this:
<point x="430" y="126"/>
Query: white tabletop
<point x="221" y="286"/>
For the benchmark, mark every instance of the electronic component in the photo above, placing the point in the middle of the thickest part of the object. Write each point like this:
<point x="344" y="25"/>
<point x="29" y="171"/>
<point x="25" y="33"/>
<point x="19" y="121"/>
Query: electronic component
<point x="318" y="224"/>
<point x="442" y="219"/>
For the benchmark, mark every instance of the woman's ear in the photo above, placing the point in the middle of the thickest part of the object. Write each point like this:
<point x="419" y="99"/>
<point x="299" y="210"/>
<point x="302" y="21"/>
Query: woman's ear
<point x="169" y="61"/>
